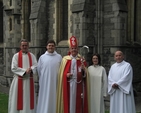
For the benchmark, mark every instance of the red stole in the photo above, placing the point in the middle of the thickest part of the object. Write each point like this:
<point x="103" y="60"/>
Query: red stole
<point x="20" y="84"/>
<point x="66" y="90"/>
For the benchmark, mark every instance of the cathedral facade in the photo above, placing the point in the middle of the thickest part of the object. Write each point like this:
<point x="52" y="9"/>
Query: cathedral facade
<point x="103" y="25"/>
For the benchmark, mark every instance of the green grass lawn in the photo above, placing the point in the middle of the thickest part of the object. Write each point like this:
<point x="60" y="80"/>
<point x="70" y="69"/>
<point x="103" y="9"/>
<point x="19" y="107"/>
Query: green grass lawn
<point x="3" y="103"/>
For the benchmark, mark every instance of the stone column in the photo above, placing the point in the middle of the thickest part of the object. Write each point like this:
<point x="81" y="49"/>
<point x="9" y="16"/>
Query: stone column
<point x="12" y="36"/>
<point x="83" y="23"/>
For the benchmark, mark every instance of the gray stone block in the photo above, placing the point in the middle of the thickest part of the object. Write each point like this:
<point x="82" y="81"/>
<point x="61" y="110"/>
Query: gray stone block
<point x="117" y="6"/>
<point x="33" y="15"/>
<point x="77" y="7"/>
<point x="3" y="81"/>
<point x="108" y="7"/>
<point x="117" y="1"/>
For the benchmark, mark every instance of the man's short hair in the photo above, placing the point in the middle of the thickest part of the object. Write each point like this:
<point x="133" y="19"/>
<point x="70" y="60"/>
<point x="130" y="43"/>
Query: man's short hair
<point x="24" y="40"/>
<point x="51" y="41"/>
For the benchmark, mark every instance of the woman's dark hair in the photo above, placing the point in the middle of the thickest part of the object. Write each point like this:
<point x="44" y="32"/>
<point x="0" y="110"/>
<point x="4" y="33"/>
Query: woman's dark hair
<point x="99" y="58"/>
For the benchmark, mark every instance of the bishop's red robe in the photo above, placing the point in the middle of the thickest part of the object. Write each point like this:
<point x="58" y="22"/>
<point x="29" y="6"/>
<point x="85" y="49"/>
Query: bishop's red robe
<point x="63" y="91"/>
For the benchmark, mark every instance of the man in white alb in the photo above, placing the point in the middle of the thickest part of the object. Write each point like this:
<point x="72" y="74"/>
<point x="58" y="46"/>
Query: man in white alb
<point x="120" y="86"/>
<point x="48" y="66"/>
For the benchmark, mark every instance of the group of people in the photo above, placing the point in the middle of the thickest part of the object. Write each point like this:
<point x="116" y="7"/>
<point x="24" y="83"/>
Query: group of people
<point x="68" y="85"/>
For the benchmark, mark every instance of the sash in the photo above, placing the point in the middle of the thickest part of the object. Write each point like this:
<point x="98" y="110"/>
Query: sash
<point x="20" y="85"/>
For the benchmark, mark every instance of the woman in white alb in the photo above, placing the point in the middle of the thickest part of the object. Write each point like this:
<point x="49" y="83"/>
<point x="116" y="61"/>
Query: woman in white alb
<point x="98" y="85"/>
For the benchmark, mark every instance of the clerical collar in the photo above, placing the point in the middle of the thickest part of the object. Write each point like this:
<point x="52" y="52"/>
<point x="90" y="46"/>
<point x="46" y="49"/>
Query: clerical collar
<point x="51" y="54"/>
<point x="73" y="56"/>
<point x="24" y="52"/>
<point x="95" y="65"/>
<point x="120" y="63"/>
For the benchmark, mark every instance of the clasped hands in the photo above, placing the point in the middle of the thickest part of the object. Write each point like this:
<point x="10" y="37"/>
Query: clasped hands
<point x="28" y="71"/>
<point x="115" y="86"/>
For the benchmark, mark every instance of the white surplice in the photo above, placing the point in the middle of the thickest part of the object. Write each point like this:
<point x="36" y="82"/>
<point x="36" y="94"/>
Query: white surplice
<point x="48" y="66"/>
<point x="12" y="105"/>
<point x="121" y="99"/>
<point x="73" y="85"/>
<point x="98" y="88"/>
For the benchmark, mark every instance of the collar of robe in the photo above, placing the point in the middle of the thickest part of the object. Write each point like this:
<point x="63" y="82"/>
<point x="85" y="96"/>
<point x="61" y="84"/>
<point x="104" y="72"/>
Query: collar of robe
<point x="51" y="54"/>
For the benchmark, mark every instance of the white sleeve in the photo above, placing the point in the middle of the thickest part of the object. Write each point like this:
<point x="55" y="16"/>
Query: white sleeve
<point x="126" y="81"/>
<point x="14" y="66"/>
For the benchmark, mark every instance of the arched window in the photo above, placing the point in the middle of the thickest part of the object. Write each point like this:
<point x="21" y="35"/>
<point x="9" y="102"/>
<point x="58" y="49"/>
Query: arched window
<point x="137" y="20"/>
<point x="1" y="22"/>
<point x="10" y="24"/>
<point x="10" y="2"/>
<point x="62" y="20"/>
<point x="65" y="19"/>
<point x="134" y="21"/>
<point x="26" y="9"/>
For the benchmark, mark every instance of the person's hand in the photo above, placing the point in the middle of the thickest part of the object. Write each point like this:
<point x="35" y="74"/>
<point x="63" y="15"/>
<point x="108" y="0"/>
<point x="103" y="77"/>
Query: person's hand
<point x="28" y="71"/>
<point x="69" y="75"/>
<point x="115" y="86"/>
<point x="83" y="66"/>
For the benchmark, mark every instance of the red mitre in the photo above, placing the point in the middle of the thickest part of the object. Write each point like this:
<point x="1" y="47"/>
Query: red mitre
<point x="73" y="42"/>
